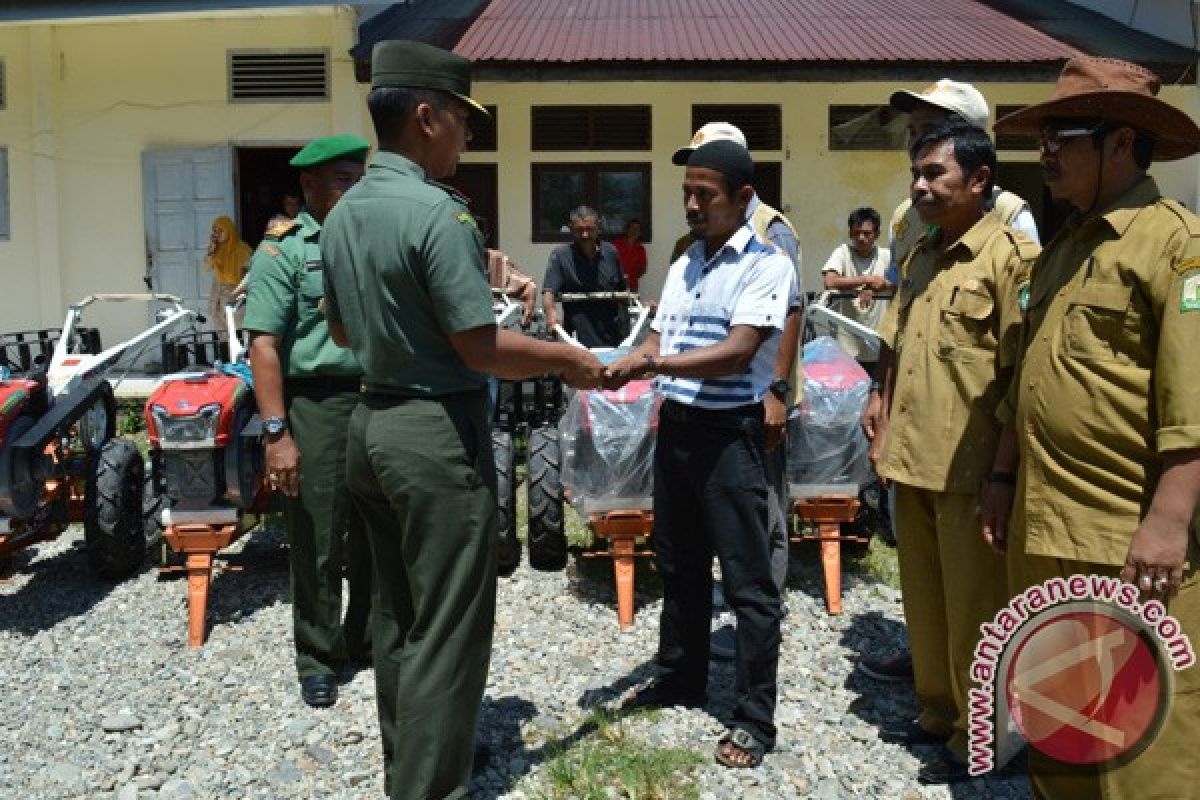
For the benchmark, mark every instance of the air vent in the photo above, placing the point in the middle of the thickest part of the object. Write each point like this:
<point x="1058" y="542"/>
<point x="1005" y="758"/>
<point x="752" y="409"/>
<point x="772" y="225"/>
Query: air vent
<point x="259" y="76"/>
<point x="762" y="124"/>
<point x="591" y="127"/>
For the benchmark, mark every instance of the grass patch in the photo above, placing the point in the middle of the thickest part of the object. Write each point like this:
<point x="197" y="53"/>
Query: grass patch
<point x="880" y="563"/>
<point x="610" y="763"/>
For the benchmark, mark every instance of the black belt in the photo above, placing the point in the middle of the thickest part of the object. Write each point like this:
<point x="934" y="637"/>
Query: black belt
<point x="377" y="397"/>
<point x="715" y="417"/>
<point x="321" y="384"/>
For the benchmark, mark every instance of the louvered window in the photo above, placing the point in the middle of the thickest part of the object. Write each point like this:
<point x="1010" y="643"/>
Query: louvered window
<point x="591" y="127"/>
<point x="762" y="124"/>
<point x="258" y="76"/>
<point x="1013" y="141"/>
<point x="866" y="128"/>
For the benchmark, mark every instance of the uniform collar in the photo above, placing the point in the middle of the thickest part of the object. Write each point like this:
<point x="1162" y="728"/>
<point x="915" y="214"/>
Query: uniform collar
<point x="976" y="236"/>
<point x="394" y="162"/>
<point x="309" y="227"/>
<point x="1124" y="209"/>
<point x="738" y="243"/>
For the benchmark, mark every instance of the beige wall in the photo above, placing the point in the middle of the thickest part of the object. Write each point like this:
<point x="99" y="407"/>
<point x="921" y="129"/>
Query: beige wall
<point x="87" y="99"/>
<point x="820" y="187"/>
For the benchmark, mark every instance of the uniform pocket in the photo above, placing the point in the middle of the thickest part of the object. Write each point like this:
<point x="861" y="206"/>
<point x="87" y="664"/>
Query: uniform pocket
<point x="312" y="286"/>
<point x="966" y="330"/>
<point x="1096" y="326"/>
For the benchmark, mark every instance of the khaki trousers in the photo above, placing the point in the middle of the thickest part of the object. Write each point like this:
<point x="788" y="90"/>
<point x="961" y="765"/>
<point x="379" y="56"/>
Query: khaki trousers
<point x="1168" y="769"/>
<point x="951" y="583"/>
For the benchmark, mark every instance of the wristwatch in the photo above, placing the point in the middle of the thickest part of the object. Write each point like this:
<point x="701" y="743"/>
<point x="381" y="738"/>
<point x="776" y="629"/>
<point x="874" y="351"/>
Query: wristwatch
<point x="275" y="426"/>
<point x="780" y="388"/>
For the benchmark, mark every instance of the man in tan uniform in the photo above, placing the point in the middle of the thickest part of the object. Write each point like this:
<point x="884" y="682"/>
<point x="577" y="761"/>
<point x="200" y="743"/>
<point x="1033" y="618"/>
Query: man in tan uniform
<point x="1106" y="404"/>
<point x="940" y="101"/>
<point x="950" y="340"/>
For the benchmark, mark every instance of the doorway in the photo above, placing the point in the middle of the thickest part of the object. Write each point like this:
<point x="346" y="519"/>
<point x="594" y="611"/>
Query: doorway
<point x="263" y="178"/>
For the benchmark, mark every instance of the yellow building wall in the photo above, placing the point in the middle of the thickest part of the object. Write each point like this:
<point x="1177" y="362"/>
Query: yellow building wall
<point x="820" y="187"/>
<point x="86" y="100"/>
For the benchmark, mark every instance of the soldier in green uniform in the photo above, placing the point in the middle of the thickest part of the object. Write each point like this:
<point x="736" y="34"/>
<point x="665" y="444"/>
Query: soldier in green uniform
<point x="1104" y="413"/>
<point x="406" y="289"/>
<point x="306" y="388"/>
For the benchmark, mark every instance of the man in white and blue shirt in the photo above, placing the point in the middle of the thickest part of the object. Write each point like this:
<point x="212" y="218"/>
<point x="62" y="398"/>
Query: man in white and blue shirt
<point x="712" y="347"/>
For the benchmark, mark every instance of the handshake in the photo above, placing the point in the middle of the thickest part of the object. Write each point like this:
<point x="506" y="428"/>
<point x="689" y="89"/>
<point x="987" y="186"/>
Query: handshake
<point x="588" y="372"/>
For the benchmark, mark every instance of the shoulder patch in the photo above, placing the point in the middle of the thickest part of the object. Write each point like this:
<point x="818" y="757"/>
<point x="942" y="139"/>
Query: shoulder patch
<point x="1189" y="297"/>
<point x="270" y="249"/>
<point x="277" y="229"/>
<point x="465" y="218"/>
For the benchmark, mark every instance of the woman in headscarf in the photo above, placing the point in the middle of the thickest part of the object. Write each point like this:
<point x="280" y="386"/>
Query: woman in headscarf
<point x="229" y="259"/>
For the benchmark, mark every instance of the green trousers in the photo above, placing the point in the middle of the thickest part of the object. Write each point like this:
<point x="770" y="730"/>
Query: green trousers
<point x="422" y="474"/>
<point x="1166" y="770"/>
<point x="951" y="583"/>
<point x="325" y="537"/>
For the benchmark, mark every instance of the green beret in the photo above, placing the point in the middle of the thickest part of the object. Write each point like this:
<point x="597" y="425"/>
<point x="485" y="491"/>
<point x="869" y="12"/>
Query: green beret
<point x="416" y="65"/>
<point x="331" y="148"/>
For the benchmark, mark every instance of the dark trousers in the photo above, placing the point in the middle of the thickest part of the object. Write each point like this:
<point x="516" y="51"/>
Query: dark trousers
<point x="422" y="474"/>
<point x="710" y="496"/>
<point x="325" y="533"/>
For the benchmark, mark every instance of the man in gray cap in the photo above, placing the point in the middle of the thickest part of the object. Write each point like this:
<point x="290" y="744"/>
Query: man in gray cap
<point x="407" y="291"/>
<point x="713" y="347"/>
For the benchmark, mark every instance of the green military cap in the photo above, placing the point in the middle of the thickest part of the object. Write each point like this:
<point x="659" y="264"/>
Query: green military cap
<point x="416" y="65"/>
<point x="331" y="148"/>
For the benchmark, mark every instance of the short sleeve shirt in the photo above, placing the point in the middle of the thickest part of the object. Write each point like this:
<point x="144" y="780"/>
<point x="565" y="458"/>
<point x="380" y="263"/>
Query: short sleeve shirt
<point x="745" y="283"/>
<point x="287" y="275"/>
<point x="955" y="324"/>
<point x="1107" y="381"/>
<point x="405" y="270"/>
<point x="594" y="323"/>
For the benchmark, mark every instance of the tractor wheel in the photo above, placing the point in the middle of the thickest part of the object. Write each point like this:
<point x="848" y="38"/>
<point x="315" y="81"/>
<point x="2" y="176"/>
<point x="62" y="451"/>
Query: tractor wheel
<point x="547" y="539"/>
<point x="508" y="550"/>
<point x="112" y="524"/>
<point x="99" y="423"/>
<point x="153" y="503"/>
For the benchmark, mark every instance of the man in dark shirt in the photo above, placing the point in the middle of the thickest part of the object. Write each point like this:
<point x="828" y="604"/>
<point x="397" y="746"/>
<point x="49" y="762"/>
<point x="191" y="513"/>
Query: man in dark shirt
<point x="586" y="265"/>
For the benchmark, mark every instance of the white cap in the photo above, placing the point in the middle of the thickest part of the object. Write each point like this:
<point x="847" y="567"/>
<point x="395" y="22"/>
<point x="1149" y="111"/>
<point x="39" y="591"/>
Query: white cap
<point x="957" y="98"/>
<point x="712" y="132"/>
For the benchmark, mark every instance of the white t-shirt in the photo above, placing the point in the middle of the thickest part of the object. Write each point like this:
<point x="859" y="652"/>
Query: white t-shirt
<point x="845" y="262"/>
<point x="745" y="283"/>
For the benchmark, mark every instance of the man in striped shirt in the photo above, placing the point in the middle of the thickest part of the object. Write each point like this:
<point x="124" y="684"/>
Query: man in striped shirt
<point x="713" y="346"/>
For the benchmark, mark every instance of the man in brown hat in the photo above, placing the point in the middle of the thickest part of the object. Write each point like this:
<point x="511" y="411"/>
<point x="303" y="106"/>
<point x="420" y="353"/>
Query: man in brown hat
<point x="405" y="289"/>
<point x="1100" y="464"/>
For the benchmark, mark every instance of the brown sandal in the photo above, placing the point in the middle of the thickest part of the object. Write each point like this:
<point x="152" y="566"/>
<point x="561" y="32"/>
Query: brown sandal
<point x="739" y="750"/>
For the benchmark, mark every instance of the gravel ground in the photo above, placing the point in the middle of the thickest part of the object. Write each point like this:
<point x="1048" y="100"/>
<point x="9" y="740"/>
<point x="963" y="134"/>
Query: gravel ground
<point x="103" y="699"/>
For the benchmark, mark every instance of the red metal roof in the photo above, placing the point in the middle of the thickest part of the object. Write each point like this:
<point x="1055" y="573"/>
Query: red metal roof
<point x="567" y="31"/>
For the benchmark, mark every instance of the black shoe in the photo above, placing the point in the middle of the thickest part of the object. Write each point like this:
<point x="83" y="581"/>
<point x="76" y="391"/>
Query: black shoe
<point x="942" y="769"/>
<point x="661" y="694"/>
<point x="898" y="669"/>
<point x="909" y="734"/>
<point x="319" y="691"/>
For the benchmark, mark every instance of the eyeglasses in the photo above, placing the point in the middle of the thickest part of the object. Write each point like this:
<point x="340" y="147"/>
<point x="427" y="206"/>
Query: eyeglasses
<point x="1052" y="140"/>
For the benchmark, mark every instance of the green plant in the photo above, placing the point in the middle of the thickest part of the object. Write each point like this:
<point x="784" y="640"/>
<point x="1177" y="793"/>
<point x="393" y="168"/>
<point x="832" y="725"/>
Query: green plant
<point x="610" y="762"/>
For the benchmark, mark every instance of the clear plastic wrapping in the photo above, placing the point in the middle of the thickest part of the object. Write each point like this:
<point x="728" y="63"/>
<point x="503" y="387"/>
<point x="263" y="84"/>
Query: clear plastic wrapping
<point x="608" y="447"/>
<point x="826" y="444"/>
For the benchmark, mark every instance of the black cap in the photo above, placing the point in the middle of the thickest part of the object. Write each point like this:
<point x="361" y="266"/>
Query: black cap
<point x="728" y="158"/>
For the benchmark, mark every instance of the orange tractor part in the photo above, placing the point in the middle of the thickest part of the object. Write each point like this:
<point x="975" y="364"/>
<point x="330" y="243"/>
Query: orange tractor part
<point x="199" y="543"/>
<point x="827" y="513"/>
<point x="621" y="529"/>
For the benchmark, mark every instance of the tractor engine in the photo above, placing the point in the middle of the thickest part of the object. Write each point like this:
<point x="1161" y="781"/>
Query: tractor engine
<point x="206" y="441"/>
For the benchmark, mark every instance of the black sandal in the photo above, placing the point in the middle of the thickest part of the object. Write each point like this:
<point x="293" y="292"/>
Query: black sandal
<point x="735" y="746"/>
